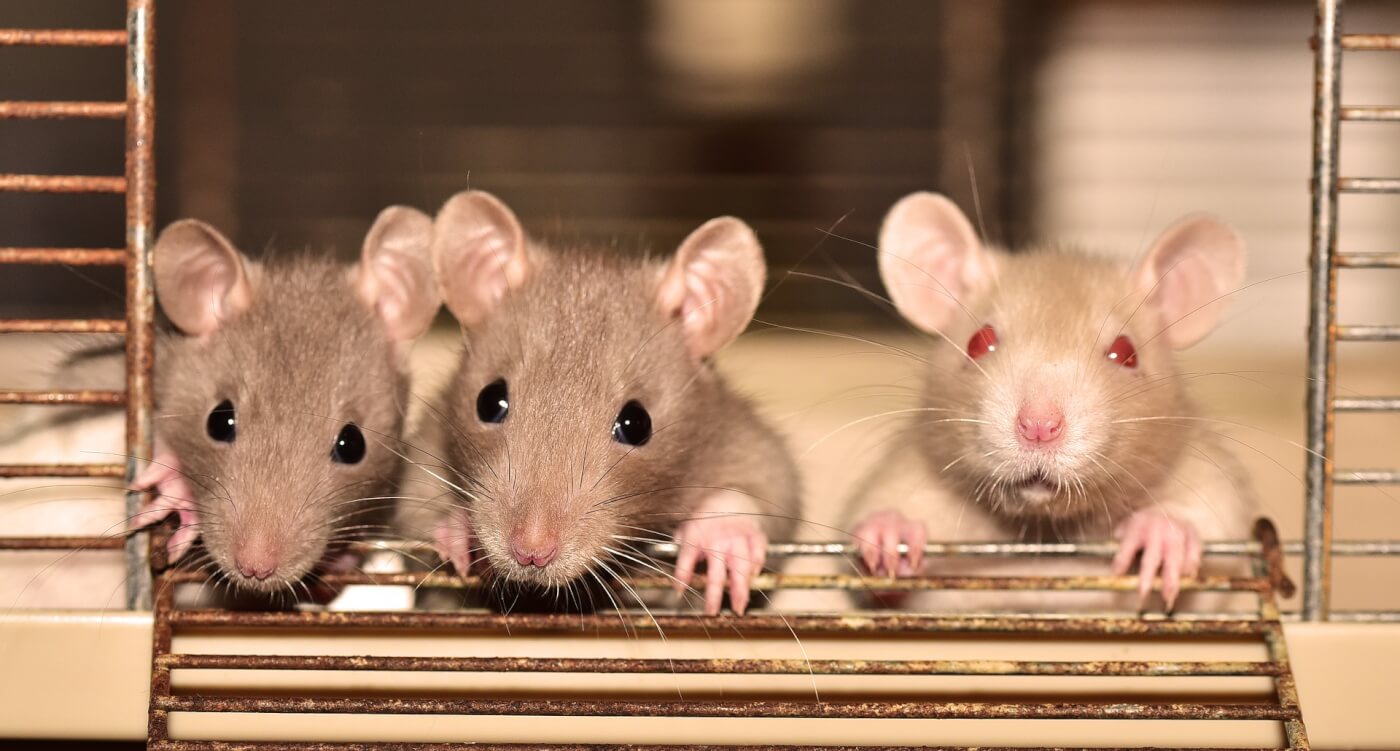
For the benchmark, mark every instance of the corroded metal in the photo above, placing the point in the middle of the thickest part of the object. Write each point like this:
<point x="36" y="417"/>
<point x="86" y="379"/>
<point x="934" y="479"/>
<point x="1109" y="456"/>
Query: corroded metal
<point x="471" y="746"/>
<point x="62" y="470"/>
<point x="62" y="543"/>
<point x="140" y="284"/>
<point x="1368" y="184"/>
<point x="919" y="710"/>
<point x="61" y="38"/>
<point x="1370" y="113"/>
<point x="94" y="398"/>
<point x="1361" y="42"/>
<point x="56" y="110"/>
<point x="61" y="326"/>
<point x="1367" y="260"/>
<point x="713" y="666"/>
<point x="1322" y="316"/>
<point x="64" y="256"/>
<point x="866" y="623"/>
<point x="62" y="183"/>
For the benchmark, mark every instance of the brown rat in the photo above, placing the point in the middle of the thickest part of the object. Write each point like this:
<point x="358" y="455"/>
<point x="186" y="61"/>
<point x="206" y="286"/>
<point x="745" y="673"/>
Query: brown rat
<point x="1053" y="409"/>
<point x="586" y="417"/>
<point x="281" y="399"/>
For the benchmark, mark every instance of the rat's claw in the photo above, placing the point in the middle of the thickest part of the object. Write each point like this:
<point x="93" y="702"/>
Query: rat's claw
<point x="878" y="538"/>
<point x="734" y="549"/>
<point x="453" y="541"/>
<point x="1169" y="547"/>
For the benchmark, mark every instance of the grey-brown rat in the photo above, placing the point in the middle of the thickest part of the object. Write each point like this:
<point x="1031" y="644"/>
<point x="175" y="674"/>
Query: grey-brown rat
<point x="1052" y="408"/>
<point x="280" y="400"/>
<point x="586" y="417"/>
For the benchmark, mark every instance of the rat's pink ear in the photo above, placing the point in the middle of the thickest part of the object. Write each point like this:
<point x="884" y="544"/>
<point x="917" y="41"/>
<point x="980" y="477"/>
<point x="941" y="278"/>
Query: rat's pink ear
<point x="395" y="275"/>
<point x="479" y="253"/>
<point x="713" y="284"/>
<point x="1188" y="275"/>
<point x="201" y="279"/>
<point x="930" y="258"/>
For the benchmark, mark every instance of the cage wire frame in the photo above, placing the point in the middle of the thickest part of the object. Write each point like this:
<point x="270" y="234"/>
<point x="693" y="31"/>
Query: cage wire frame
<point x="145" y="553"/>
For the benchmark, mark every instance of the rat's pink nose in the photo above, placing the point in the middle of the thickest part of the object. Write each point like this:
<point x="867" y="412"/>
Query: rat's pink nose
<point x="256" y="559"/>
<point x="531" y="550"/>
<point x="1040" y="424"/>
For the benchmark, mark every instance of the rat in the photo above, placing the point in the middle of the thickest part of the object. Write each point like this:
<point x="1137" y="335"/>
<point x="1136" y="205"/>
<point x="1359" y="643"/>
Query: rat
<point x="1052" y="409"/>
<point x="586" y="418"/>
<point x="280" y="398"/>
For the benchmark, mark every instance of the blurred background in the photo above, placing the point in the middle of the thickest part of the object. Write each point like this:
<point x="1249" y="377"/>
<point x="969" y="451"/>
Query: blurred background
<point x="290" y="124"/>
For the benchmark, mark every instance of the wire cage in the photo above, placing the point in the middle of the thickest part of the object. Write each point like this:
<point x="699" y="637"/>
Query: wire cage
<point x="186" y="649"/>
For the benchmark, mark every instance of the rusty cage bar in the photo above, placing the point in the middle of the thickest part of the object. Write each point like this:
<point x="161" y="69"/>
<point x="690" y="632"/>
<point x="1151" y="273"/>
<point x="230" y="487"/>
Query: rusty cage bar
<point x="138" y="185"/>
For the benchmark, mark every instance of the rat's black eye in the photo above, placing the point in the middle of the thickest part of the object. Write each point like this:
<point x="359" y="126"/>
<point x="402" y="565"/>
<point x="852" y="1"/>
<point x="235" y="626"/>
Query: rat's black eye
<point x="349" y="446"/>
<point x="493" y="403"/>
<point x="633" y="425"/>
<point x="222" y="422"/>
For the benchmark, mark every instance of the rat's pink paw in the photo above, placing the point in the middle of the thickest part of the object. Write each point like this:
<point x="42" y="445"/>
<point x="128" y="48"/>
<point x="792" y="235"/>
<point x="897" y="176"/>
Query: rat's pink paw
<point x="1168" y="546"/>
<point x="170" y="492"/>
<point x="734" y="548"/>
<point x="453" y="540"/>
<point x="878" y="538"/>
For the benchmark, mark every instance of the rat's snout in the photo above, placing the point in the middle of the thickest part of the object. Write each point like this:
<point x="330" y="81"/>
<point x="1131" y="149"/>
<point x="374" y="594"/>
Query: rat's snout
<point x="1040" y="424"/>
<point x="257" y="558"/>
<point x="531" y="545"/>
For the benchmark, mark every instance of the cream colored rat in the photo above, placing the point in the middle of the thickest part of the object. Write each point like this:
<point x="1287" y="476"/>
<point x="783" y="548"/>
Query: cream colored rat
<point x="586" y="417"/>
<point x="1052" y="408"/>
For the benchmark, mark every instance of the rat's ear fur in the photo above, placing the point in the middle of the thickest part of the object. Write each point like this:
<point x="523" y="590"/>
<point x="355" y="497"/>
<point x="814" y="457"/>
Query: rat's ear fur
<point x="395" y="273"/>
<point x="930" y="258"/>
<point x="479" y="254"/>
<point x="201" y="279"/>
<point x="1187" y="275"/>
<point x="713" y="284"/>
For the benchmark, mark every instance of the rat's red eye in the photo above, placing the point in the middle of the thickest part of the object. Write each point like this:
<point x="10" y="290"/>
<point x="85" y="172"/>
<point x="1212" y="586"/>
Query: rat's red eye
<point x="1122" y="352"/>
<point x="982" y="342"/>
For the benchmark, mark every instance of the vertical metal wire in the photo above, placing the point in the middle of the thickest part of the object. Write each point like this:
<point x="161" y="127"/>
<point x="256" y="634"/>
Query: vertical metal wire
<point x="140" y="294"/>
<point x="1322" y="339"/>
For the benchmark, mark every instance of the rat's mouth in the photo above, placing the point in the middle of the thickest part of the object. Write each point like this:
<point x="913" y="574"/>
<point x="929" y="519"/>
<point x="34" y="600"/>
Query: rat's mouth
<point x="1037" y="488"/>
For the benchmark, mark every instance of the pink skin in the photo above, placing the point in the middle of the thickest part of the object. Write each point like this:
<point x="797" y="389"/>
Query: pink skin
<point x="170" y="493"/>
<point x="1169" y="547"/>
<point x="733" y="549"/>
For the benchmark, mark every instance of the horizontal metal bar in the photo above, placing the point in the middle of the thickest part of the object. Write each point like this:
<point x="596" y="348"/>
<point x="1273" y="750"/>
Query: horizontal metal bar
<point x="99" y="398"/>
<point x="903" y="623"/>
<point x="1370" y="113"/>
<point x="62" y="184"/>
<point x="1366" y="404"/>
<point x="1368" y="260"/>
<point x="169" y="745"/>
<point x="1366" y="477"/>
<point x="1368" y="333"/>
<point x="1364" y="616"/>
<point x="62" y="38"/>
<point x="62" y="470"/>
<point x="62" y="543"/>
<point x="1368" y="184"/>
<point x="59" y="110"/>
<point x="64" y="256"/>
<point x="62" y="326"/>
<point x="728" y="708"/>
<point x="715" y="666"/>
<point x="1365" y="42"/>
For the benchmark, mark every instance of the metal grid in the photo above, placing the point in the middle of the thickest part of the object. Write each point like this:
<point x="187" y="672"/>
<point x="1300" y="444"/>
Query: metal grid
<point x="1263" y="625"/>
<point x="1323" y="329"/>
<point x="138" y="184"/>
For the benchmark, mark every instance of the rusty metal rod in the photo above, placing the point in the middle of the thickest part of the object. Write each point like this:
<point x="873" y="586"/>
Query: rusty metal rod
<point x="1367" y="477"/>
<point x="57" y="110"/>
<point x="1368" y="260"/>
<point x="64" y="256"/>
<point x="1368" y="333"/>
<point x="62" y="38"/>
<point x="62" y="470"/>
<point x="1370" y="42"/>
<point x="168" y="745"/>
<point x="713" y="666"/>
<point x="1368" y="184"/>
<point x="61" y="326"/>
<point x="62" y="543"/>
<point x="62" y="184"/>
<point x="729" y="708"/>
<point x="879" y="623"/>
<point x="1370" y="113"/>
<point x="1367" y="404"/>
<point x="99" y="398"/>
